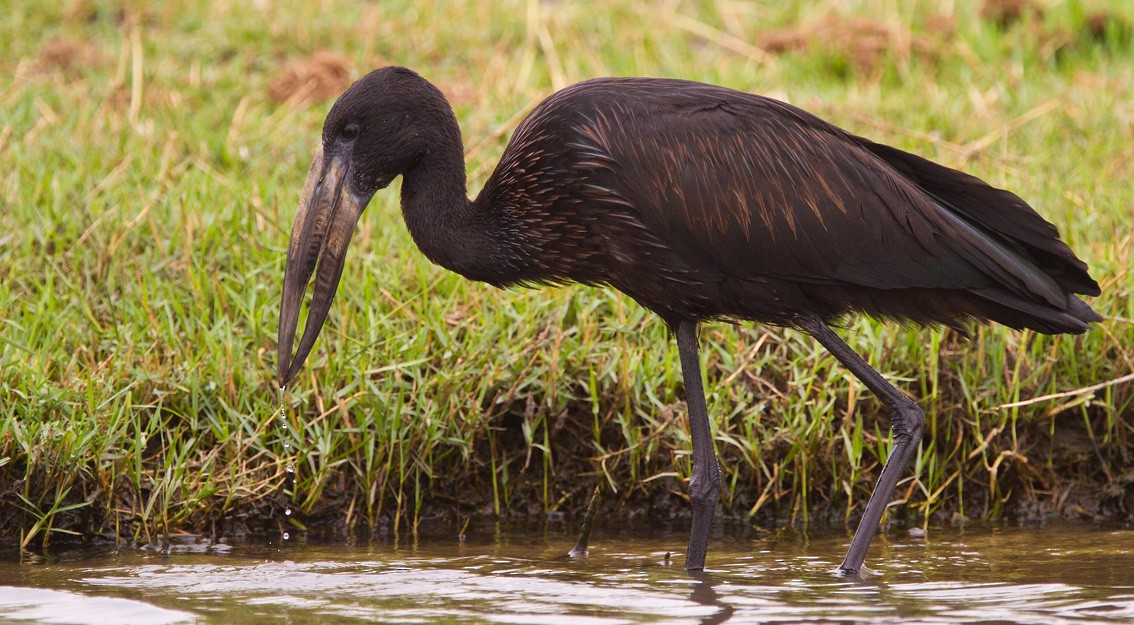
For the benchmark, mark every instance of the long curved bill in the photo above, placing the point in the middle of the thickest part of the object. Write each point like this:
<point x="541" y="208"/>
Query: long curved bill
<point x="320" y="235"/>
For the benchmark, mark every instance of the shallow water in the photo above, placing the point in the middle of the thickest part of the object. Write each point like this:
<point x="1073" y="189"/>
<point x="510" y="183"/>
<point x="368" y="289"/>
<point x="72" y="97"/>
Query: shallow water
<point x="1066" y="574"/>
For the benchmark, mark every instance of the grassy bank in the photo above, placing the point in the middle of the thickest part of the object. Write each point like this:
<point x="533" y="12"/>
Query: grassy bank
<point x="150" y="164"/>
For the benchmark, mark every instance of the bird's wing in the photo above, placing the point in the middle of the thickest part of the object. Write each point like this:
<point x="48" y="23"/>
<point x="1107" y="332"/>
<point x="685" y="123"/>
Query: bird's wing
<point x="756" y="188"/>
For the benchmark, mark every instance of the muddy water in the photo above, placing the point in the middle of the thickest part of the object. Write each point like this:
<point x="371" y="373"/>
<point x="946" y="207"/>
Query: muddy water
<point x="1067" y="574"/>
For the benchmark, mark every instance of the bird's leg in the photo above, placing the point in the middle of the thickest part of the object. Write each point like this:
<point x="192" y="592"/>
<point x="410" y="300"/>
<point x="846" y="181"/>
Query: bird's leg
<point x="705" y="484"/>
<point x="907" y="421"/>
<point x="580" y="548"/>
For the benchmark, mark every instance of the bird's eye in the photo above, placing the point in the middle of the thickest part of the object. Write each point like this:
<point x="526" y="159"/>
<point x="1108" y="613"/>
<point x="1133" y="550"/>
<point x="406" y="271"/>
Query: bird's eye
<point x="350" y="131"/>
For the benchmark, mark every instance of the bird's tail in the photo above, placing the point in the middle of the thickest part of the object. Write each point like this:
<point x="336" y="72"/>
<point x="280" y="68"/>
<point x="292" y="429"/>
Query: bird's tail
<point x="1031" y="243"/>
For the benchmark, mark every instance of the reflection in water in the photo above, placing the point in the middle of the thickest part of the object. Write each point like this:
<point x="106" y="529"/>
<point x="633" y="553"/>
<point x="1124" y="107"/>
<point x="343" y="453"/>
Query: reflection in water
<point x="705" y="594"/>
<point x="68" y="608"/>
<point x="1015" y="576"/>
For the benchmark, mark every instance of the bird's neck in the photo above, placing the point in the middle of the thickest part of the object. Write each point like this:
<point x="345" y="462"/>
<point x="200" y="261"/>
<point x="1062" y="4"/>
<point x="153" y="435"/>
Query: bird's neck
<point x="443" y="222"/>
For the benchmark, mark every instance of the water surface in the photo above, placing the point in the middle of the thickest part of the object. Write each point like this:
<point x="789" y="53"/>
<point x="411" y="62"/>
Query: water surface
<point x="1049" y="576"/>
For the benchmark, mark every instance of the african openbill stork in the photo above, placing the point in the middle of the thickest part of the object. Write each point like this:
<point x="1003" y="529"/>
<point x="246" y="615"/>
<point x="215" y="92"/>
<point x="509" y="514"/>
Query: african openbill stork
<point x="701" y="203"/>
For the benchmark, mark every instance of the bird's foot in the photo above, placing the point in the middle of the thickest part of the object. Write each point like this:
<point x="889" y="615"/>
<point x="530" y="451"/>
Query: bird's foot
<point x="860" y="573"/>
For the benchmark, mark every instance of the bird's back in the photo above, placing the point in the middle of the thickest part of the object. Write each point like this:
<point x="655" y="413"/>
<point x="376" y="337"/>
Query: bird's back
<point x="701" y="201"/>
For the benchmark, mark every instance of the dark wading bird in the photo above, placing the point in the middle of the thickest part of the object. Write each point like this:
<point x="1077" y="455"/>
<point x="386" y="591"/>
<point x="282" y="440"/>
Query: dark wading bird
<point x="701" y="203"/>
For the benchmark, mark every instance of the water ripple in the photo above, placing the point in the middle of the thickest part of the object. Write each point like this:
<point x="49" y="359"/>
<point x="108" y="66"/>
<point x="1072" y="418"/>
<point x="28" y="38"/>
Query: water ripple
<point x="970" y="577"/>
<point x="67" y="608"/>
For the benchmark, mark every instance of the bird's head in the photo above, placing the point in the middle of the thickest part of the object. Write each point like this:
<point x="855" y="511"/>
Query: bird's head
<point x="378" y="129"/>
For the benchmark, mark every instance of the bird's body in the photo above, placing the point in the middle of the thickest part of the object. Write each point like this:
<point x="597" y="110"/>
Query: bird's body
<point x="700" y="202"/>
<point x="703" y="202"/>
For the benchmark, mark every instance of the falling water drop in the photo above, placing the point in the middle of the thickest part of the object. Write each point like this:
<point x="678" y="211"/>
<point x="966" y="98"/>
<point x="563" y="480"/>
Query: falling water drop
<point x="283" y="410"/>
<point x="284" y="429"/>
<point x="289" y="471"/>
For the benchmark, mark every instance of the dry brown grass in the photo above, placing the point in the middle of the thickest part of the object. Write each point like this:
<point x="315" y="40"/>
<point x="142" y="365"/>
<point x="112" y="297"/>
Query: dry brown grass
<point x="865" y="41"/>
<point x="1008" y="13"/>
<point x="66" y="56"/>
<point x="310" y="79"/>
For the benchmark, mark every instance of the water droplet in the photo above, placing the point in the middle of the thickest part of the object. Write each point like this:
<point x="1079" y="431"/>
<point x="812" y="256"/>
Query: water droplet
<point x="289" y="471"/>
